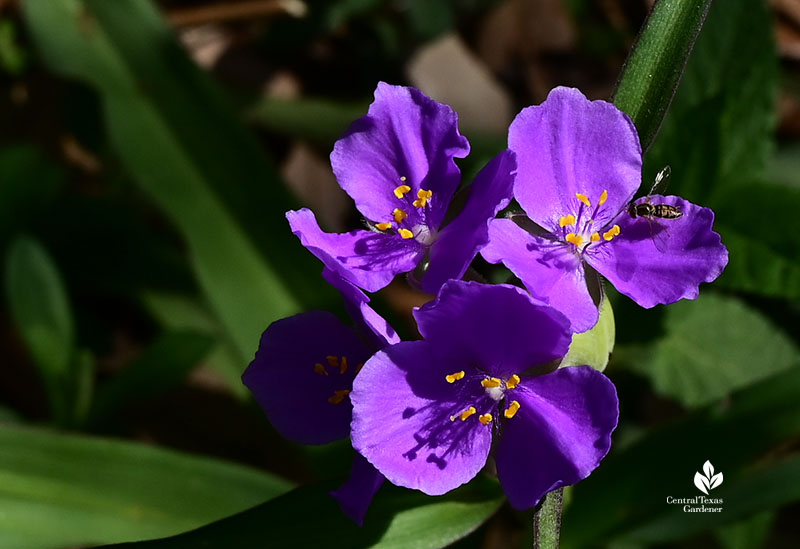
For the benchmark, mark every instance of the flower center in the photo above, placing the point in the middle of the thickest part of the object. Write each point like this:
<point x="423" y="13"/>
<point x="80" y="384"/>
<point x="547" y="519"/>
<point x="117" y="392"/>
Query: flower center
<point x="339" y="366"/>
<point x="495" y="388"/>
<point x="410" y="225"/>
<point x="579" y="229"/>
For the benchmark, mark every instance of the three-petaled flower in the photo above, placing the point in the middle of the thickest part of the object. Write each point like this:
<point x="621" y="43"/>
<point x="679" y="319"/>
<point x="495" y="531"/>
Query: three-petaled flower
<point x="303" y="373"/>
<point x="426" y="413"/>
<point x="397" y="163"/>
<point x="579" y="166"/>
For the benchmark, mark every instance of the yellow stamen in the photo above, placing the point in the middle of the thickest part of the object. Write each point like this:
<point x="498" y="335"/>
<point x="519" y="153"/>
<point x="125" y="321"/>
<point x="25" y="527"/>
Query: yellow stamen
<point x="401" y="190"/>
<point x="405" y="233"/>
<point x="582" y="197"/>
<point x="512" y="382"/>
<point x="611" y="233"/>
<point x="603" y="198"/>
<point x="574" y="239"/>
<point x="595" y="237"/>
<point x="332" y="360"/>
<point x="383" y="226"/>
<point x="486" y="419"/>
<point x="399" y="215"/>
<point x="403" y="178"/>
<point x="320" y="369"/>
<point x="422" y="198"/>
<point x="452" y="378"/>
<point x="338" y="396"/>
<point x="490" y="383"/>
<point x="512" y="409"/>
<point x="566" y="220"/>
<point x="343" y="366"/>
<point x="468" y="412"/>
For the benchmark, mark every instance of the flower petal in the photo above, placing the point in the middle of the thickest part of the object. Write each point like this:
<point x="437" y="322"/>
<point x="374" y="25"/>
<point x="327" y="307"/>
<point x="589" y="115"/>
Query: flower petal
<point x="558" y="436"/>
<point x="290" y="387"/>
<point x="402" y="406"/>
<point x="570" y="145"/>
<point x="499" y="328"/>
<point x="459" y="242"/>
<point x="367" y="320"/>
<point x="550" y="270"/>
<point x="690" y="253"/>
<point x="404" y="135"/>
<point x="365" y="258"/>
<point x="355" y="495"/>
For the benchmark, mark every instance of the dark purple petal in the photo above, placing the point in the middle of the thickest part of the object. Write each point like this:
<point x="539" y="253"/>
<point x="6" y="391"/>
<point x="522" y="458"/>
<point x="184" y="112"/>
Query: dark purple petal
<point x="402" y="406"/>
<point x="290" y="387"/>
<point x="662" y="261"/>
<point x="367" y="320"/>
<point x="459" y="242"/>
<point x="559" y="435"/>
<point x="570" y="145"/>
<point x="365" y="258"/>
<point x="355" y="495"/>
<point x="405" y="134"/>
<point x="498" y="328"/>
<point x="550" y="270"/>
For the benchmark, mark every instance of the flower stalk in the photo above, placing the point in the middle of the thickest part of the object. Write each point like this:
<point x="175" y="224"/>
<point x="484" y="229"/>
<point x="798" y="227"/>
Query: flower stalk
<point x="547" y="521"/>
<point x="651" y="73"/>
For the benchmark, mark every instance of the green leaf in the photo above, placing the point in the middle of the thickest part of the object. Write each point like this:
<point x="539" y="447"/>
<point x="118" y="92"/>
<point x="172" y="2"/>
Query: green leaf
<point x="184" y="147"/>
<point x="594" y="347"/>
<point x="719" y="129"/>
<point x="750" y="533"/>
<point x="309" y="517"/>
<point x="655" y="65"/>
<point x="164" y="364"/>
<point x="61" y="490"/>
<point x="40" y="309"/>
<point x="631" y="486"/>
<point x="713" y="346"/>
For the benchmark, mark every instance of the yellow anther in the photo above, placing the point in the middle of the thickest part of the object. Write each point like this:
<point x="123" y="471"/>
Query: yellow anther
<point x="486" y="419"/>
<point x="452" y="378"/>
<point x="401" y="190"/>
<point x="468" y="412"/>
<point x="491" y="383"/>
<point x="338" y="396"/>
<point x="405" y="233"/>
<point x="603" y="198"/>
<point x="383" y="226"/>
<point x="320" y="369"/>
<point x="512" y="382"/>
<point x="595" y="237"/>
<point x="343" y="365"/>
<point x="582" y="197"/>
<point x="611" y="233"/>
<point x="566" y="220"/>
<point x="574" y="239"/>
<point x="422" y="198"/>
<point x="403" y="178"/>
<point x="332" y="360"/>
<point x="512" y="409"/>
<point x="399" y="215"/>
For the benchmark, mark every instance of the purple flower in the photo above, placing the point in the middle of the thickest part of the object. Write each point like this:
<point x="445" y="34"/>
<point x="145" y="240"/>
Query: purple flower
<point x="302" y="376"/>
<point x="579" y="165"/>
<point x="426" y="413"/>
<point x="397" y="163"/>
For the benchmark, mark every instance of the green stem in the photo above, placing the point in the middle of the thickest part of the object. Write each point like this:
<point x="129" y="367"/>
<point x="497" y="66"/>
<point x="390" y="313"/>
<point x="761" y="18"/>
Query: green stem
<point x="547" y="521"/>
<point x="654" y="67"/>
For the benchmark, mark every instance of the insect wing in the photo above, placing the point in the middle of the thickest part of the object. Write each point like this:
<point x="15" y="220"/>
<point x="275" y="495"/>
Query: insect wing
<point x="661" y="182"/>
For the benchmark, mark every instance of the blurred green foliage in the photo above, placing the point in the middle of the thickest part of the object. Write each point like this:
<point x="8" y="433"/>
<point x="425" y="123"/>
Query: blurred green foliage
<point x="142" y="234"/>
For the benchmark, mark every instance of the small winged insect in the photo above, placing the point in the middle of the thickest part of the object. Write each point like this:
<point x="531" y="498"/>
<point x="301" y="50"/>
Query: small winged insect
<point x="654" y="213"/>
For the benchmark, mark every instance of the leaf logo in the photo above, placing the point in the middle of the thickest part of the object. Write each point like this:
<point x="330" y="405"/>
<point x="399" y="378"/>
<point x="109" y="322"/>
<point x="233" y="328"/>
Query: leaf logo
<point x="709" y="481"/>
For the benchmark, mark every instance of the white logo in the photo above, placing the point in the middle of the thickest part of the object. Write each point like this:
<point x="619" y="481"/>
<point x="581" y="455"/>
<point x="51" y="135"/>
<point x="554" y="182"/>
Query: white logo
<point x="709" y="481"/>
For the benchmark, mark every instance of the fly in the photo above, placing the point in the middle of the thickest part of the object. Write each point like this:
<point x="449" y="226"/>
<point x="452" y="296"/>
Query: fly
<point x="655" y="212"/>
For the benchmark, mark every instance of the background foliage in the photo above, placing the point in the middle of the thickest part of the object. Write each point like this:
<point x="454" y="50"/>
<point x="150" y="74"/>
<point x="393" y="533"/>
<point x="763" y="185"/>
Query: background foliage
<point x="148" y="152"/>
